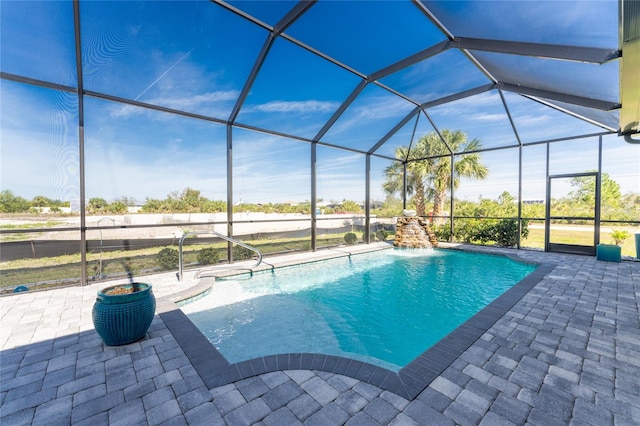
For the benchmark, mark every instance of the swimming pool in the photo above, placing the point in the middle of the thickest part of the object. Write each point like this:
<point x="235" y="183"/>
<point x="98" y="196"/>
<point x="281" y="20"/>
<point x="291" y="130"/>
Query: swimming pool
<point x="384" y="308"/>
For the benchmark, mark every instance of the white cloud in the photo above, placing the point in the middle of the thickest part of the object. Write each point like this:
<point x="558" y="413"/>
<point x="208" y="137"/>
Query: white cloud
<point x="531" y="120"/>
<point x="296" y="106"/>
<point x="351" y="160"/>
<point x="481" y="116"/>
<point x="381" y="107"/>
<point x="193" y="103"/>
<point x="216" y="104"/>
<point x="463" y="107"/>
<point x="370" y="111"/>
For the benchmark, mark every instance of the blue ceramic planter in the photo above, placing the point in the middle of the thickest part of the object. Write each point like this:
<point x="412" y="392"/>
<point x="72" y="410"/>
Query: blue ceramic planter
<point x="608" y="252"/>
<point x="124" y="318"/>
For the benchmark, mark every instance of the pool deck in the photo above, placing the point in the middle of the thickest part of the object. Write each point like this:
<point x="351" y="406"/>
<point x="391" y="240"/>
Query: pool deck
<point x="566" y="352"/>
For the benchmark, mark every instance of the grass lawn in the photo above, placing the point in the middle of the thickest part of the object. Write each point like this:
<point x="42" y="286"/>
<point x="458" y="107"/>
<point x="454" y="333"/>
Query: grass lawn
<point x="66" y="270"/>
<point x="536" y="239"/>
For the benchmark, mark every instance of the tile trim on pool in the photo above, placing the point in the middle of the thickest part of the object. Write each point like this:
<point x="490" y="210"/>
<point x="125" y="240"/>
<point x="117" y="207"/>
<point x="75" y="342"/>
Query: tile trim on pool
<point x="412" y="379"/>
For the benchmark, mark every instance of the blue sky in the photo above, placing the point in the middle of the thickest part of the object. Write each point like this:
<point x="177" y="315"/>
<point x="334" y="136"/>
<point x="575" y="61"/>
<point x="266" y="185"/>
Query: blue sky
<point x="196" y="57"/>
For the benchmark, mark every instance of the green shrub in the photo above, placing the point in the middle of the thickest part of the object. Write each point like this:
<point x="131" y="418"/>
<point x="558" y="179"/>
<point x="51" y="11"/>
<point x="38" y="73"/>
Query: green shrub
<point x="503" y="232"/>
<point x="208" y="256"/>
<point x="483" y="232"/>
<point x="619" y="235"/>
<point x="525" y="229"/>
<point x="167" y="258"/>
<point x="381" y="234"/>
<point x="350" y="238"/>
<point x="242" y="253"/>
<point x="443" y="232"/>
<point x="469" y="230"/>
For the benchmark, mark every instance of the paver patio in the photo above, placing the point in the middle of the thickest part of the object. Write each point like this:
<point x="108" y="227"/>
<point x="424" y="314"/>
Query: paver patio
<point x="567" y="353"/>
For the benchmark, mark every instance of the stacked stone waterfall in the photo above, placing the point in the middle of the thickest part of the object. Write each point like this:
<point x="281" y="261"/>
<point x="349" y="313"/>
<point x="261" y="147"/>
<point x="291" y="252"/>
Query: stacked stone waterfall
<point x="414" y="232"/>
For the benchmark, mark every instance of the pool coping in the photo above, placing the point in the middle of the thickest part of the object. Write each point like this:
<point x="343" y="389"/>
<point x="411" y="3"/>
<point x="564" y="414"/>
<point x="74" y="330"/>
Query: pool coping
<point x="408" y="382"/>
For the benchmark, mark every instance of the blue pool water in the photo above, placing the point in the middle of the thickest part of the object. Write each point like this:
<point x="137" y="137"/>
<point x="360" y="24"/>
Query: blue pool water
<point x="385" y="308"/>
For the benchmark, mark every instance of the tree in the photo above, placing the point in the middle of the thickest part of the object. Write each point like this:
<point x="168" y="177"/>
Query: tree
<point x="151" y="205"/>
<point x="117" y="207"/>
<point x="392" y="206"/>
<point x="11" y="203"/>
<point x="429" y="168"/>
<point x="508" y="204"/>
<point x="97" y="205"/>
<point x="210" y="206"/>
<point x="192" y="199"/>
<point x="351" y="206"/>
<point x="41" y="201"/>
<point x="416" y="175"/>
<point x="585" y="191"/>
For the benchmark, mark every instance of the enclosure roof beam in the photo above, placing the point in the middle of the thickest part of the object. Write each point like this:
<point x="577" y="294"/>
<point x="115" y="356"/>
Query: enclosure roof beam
<point x="572" y="113"/>
<point x="562" y="97"/>
<point x="293" y="40"/>
<point x="302" y="139"/>
<point x="37" y="82"/>
<point x="425" y="10"/>
<point x="153" y="107"/>
<point x="554" y="51"/>
<point x="411" y="60"/>
<point x="506" y="109"/>
<point x="296" y="12"/>
<point x="262" y="56"/>
<point x="341" y="110"/>
<point x="242" y="14"/>
<point x="393" y="131"/>
<point x="459" y="95"/>
<point x="435" y="128"/>
<point x="287" y="20"/>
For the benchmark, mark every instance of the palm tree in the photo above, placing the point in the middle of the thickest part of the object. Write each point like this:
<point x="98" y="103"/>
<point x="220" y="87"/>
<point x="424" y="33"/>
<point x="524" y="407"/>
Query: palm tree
<point x="416" y="171"/>
<point x="429" y="168"/>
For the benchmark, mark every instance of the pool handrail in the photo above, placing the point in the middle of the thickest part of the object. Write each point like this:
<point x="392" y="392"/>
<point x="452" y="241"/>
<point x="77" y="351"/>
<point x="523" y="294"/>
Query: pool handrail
<point x="224" y="237"/>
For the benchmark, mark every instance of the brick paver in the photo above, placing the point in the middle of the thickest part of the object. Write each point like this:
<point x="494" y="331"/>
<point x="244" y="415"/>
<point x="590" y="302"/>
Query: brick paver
<point x="567" y="352"/>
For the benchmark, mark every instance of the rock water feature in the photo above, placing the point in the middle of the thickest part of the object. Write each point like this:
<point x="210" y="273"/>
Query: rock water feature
<point x="414" y="232"/>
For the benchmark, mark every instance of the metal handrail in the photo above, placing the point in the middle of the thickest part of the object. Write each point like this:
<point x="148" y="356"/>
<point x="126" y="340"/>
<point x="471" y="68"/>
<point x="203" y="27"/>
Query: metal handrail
<point x="224" y="237"/>
<point x="113" y="223"/>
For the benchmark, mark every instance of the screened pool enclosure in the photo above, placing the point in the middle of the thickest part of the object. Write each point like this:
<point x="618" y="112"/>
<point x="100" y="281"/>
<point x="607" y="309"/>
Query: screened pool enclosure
<point x="288" y="125"/>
